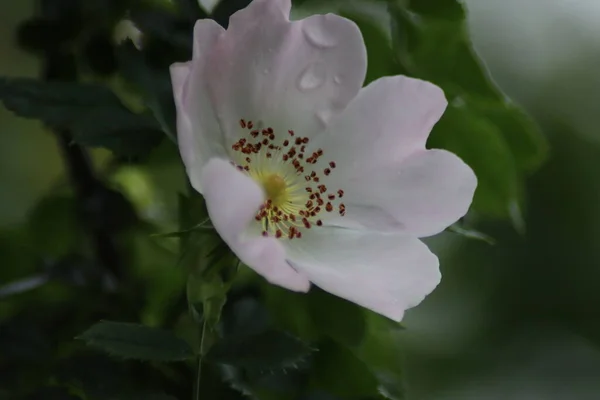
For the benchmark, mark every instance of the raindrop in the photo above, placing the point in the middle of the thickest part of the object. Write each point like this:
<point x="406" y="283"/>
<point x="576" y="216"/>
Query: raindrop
<point x="319" y="37"/>
<point x="312" y="77"/>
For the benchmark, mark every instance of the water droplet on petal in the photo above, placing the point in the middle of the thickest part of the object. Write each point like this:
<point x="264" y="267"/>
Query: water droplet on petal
<point x="317" y="35"/>
<point x="312" y="77"/>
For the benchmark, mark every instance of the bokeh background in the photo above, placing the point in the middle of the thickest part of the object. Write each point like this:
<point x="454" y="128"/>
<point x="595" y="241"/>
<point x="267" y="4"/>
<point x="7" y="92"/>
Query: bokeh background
<point x="516" y="320"/>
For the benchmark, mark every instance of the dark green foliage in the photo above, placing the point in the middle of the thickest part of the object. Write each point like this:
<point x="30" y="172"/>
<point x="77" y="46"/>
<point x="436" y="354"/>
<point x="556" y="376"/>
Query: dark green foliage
<point x="133" y="341"/>
<point x="262" y="351"/>
<point x="93" y="114"/>
<point x="255" y="340"/>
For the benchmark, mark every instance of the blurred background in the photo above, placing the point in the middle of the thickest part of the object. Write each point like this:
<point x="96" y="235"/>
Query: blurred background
<point x="519" y="319"/>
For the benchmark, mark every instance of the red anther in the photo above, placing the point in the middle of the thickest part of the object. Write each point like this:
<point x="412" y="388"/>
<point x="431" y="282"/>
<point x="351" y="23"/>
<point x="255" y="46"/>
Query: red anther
<point x="340" y="193"/>
<point x="250" y="125"/>
<point x="278" y="234"/>
<point x="331" y="197"/>
<point x="319" y="223"/>
<point x="305" y="140"/>
<point x="242" y="123"/>
<point x="329" y="207"/>
<point x="327" y="171"/>
<point x="286" y="142"/>
<point x="265" y="233"/>
<point x="332" y="164"/>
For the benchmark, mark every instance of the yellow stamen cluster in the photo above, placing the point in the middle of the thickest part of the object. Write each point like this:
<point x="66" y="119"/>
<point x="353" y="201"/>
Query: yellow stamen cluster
<point x="289" y="175"/>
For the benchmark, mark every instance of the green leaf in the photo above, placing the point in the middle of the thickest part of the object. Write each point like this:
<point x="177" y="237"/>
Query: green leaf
<point x="133" y="341"/>
<point x="290" y="311"/>
<point x="341" y="320"/>
<point x="338" y="371"/>
<point x="496" y="138"/>
<point x="54" y="226"/>
<point x="381" y="60"/>
<point x="523" y="136"/>
<point x="153" y="84"/>
<point x="92" y="113"/>
<point x="481" y="145"/>
<point x="447" y="9"/>
<point x="151" y="396"/>
<point x="268" y="350"/>
<point x="438" y="50"/>
<point x="51" y="393"/>
<point x="381" y="351"/>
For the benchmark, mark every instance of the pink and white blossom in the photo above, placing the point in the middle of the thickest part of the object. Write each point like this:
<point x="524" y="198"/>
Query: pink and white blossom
<point x="308" y="176"/>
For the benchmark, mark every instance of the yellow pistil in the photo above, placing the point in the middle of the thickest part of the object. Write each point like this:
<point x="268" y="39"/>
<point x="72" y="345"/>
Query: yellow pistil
<point x="275" y="189"/>
<point x="293" y="178"/>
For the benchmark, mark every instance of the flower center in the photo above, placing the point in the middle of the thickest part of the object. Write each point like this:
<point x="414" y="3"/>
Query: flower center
<point x="275" y="189"/>
<point x="296" y="199"/>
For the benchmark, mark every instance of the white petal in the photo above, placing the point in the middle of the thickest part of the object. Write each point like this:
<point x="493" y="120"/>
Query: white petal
<point x="389" y="119"/>
<point x="385" y="273"/>
<point x="198" y="131"/>
<point x="285" y="75"/>
<point x="422" y="196"/>
<point x="232" y="200"/>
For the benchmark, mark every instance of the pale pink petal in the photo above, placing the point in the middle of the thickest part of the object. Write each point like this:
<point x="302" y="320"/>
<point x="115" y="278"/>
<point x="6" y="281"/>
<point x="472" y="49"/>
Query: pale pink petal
<point x="389" y="119"/>
<point x="281" y="74"/>
<point x="387" y="273"/>
<point x="198" y="132"/>
<point x="427" y="192"/>
<point x="390" y="182"/>
<point x="206" y="32"/>
<point x="232" y="200"/>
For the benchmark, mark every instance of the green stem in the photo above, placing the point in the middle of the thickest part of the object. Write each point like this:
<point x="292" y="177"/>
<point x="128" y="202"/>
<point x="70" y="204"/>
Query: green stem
<point x="199" y="373"/>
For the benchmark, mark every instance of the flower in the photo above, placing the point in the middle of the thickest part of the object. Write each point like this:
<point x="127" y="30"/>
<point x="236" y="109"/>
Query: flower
<point x="307" y="176"/>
